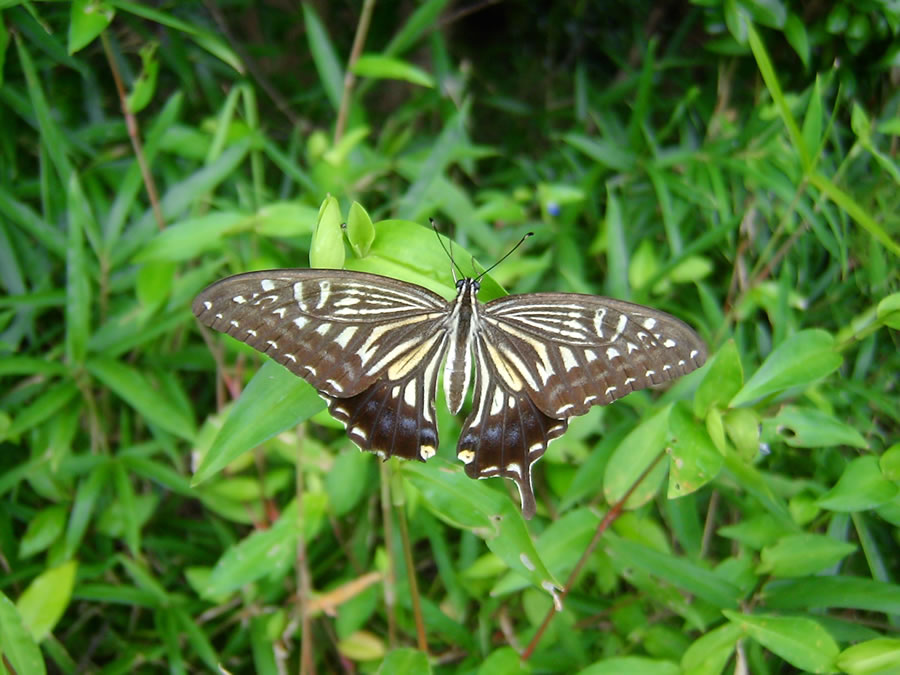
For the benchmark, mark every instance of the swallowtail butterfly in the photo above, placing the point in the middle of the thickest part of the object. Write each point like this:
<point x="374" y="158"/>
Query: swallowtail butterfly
<point x="373" y="347"/>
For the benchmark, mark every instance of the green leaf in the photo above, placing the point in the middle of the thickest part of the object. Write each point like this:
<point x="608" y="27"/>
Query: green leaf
<point x="327" y="248"/>
<point x="44" y="529"/>
<point x="286" y="219"/>
<point x="889" y="311"/>
<point x="695" y="461"/>
<point x="559" y="547"/>
<point x="742" y="425"/>
<point x="466" y="504"/>
<point x="631" y="665"/>
<point x="17" y="645"/>
<point x="274" y="400"/>
<point x="360" y="231"/>
<point x="504" y="661"/>
<point x="799" y="555"/>
<point x="268" y="552"/>
<point x="606" y="152"/>
<point x="861" y="487"/>
<point x="145" y="85"/>
<point x="634" y="455"/>
<point x="710" y="652"/>
<point x="45" y="600"/>
<point x="832" y="592"/>
<point x="405" y="661"/>
<point x="811" y="428"/>
<point x="190" y="238"/>
<point x="151" y="402"/>
<point x="799" y="361"/>
<point x="386" y="67"/>
<point x="348" y="480"/>
<point x="801" y="642"/>
<point x="872" y="657"/>
<point x="154" y="284"/>
<point x="87" y="19"/>
<point x="796" y="35"/>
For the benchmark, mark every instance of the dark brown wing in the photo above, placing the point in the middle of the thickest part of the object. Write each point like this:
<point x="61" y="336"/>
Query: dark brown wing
<point x="370" y="345"/>
<point x="545" y="357"/>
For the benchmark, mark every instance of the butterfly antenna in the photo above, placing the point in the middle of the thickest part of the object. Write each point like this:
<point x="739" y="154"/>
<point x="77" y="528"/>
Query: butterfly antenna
<point x="455" y="268"/>
<point x="509" y="253"/>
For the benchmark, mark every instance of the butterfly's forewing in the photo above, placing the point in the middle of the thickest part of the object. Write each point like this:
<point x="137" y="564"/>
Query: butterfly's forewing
<point x="573" y="351"/>
<point x="371" y="345"/>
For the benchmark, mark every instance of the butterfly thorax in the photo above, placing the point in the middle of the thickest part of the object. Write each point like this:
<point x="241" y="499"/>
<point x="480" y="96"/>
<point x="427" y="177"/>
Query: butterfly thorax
<point x="460" y="324"/>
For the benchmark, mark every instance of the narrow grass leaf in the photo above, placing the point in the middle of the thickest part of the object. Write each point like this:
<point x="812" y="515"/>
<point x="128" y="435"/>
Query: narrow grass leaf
<point x="388" y="68"/>
<point x="420" y="23"/>
<point x="128" y="504"/>
<point x="605" y="152"/>
<point x="134" y="388"/>
<point x="616" y="247"/>
<point x="179" y="198"/>
<point x="832" y="592"/>
<point x="800" y="641"/>
<point x="682" y="573"/>
<point x="190" y="238"/>
<point x="43" y="530"/>
<point x="197" y="639"/>
<point x="799" y="361"/>
<point x="43" y="603"/>
<point x="324" y="56"/>
<point x="17" y="645"/>
<point x="764" y="63"/>
<point x="89" y="490"/>
<point x="42" y="408"/>
<point x="439" y="158"/>
<point x="267" y="552"/>
<point x="52" y="139"/>
<point x="274" y="400"/>
<point x="22" y="216"/>
<point x="855" y="210"/>
<point x="78" y="282"/>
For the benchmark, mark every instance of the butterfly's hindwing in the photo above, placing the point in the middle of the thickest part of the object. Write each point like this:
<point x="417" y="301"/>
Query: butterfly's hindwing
<point x="396" y="417"/>
<point x="572" y="351"/>
<point x="505" y="433"/>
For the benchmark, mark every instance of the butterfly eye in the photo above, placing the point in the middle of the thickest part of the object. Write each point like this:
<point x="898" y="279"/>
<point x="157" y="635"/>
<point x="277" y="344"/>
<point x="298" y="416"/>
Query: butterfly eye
<point x="460" y="283"/>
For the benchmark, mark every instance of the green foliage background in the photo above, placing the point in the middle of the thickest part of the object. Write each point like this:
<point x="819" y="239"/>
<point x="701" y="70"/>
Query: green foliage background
<point x="731" y="162"/>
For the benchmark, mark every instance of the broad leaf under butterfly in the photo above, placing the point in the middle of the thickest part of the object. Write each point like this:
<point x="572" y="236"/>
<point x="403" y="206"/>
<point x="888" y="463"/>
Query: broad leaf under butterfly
<point x="373" y="347"/>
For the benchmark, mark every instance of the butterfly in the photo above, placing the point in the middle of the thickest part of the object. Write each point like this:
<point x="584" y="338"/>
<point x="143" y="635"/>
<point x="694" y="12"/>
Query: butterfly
<point x="373" y="346"/>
